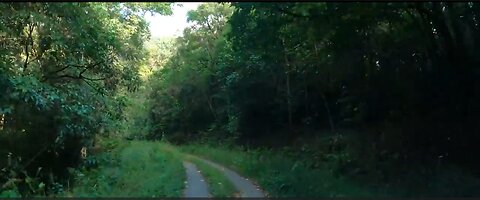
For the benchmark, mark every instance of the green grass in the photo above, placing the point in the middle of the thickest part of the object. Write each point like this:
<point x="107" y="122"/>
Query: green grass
<point x="143" y="169"/>
<point x="154" y="169"/>
<point x="218" y="183"/>
<point x="281" y="176"/>
<point x="132" y="169"/>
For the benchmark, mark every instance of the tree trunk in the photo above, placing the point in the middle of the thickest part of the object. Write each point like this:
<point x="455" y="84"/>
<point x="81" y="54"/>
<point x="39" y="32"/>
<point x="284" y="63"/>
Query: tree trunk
<point x="287" y="82"/>
<point x="210" y="106"/>
<point x="330" y="120"/>
<point x="2" y="121"/>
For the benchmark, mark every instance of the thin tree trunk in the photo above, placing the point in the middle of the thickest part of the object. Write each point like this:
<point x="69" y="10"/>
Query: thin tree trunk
<point x="27" y="43"/>
<point x="330" y="120"/>
<point x="325" y="103"/>
<point x="289" y="100"/>
<point x="287" y="76"/>
<point x="210" y="106"/>
<point x="305" y="86"/>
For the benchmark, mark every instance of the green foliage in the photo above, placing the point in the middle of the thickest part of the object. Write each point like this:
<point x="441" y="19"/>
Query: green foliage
<point x="61" y="66"/>
<point x="162" y="8"/>
<point x="183" y="102"/>
<point x="9" y="194"/>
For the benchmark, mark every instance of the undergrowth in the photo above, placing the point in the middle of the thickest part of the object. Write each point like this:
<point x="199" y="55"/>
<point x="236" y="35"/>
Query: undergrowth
<point x="312" y="171"/>
<point x="131" y="169"/>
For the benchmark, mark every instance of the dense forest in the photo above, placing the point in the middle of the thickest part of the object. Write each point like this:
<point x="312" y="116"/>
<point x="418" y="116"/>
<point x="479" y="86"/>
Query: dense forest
<point x="386" y="92"/>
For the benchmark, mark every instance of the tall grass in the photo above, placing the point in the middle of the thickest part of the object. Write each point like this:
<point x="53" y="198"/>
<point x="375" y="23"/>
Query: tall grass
<point x="283" y="173"/>
<point x="132" y="169"/>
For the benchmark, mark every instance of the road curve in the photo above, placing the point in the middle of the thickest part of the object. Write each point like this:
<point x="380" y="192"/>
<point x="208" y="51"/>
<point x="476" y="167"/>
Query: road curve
<point x="243" y="185"/>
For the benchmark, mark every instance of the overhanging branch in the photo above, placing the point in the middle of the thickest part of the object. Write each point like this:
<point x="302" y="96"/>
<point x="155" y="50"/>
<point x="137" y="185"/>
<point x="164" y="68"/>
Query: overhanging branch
<point x="53" y="75"/>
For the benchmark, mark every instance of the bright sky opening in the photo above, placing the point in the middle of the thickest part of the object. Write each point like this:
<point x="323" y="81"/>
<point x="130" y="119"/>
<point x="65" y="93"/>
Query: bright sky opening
<point x="173" y="25"/>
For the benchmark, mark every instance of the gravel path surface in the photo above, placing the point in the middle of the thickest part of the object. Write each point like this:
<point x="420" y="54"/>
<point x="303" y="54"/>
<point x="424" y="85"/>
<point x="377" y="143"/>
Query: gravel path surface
<point x="244" y="186"/>
<point x="196" y="185"/>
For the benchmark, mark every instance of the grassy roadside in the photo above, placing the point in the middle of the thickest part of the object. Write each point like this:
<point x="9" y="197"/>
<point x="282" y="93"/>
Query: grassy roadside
<point x="281" y="176"/>
<point x="130" y="169"/>
<point x="141" y="169"/>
